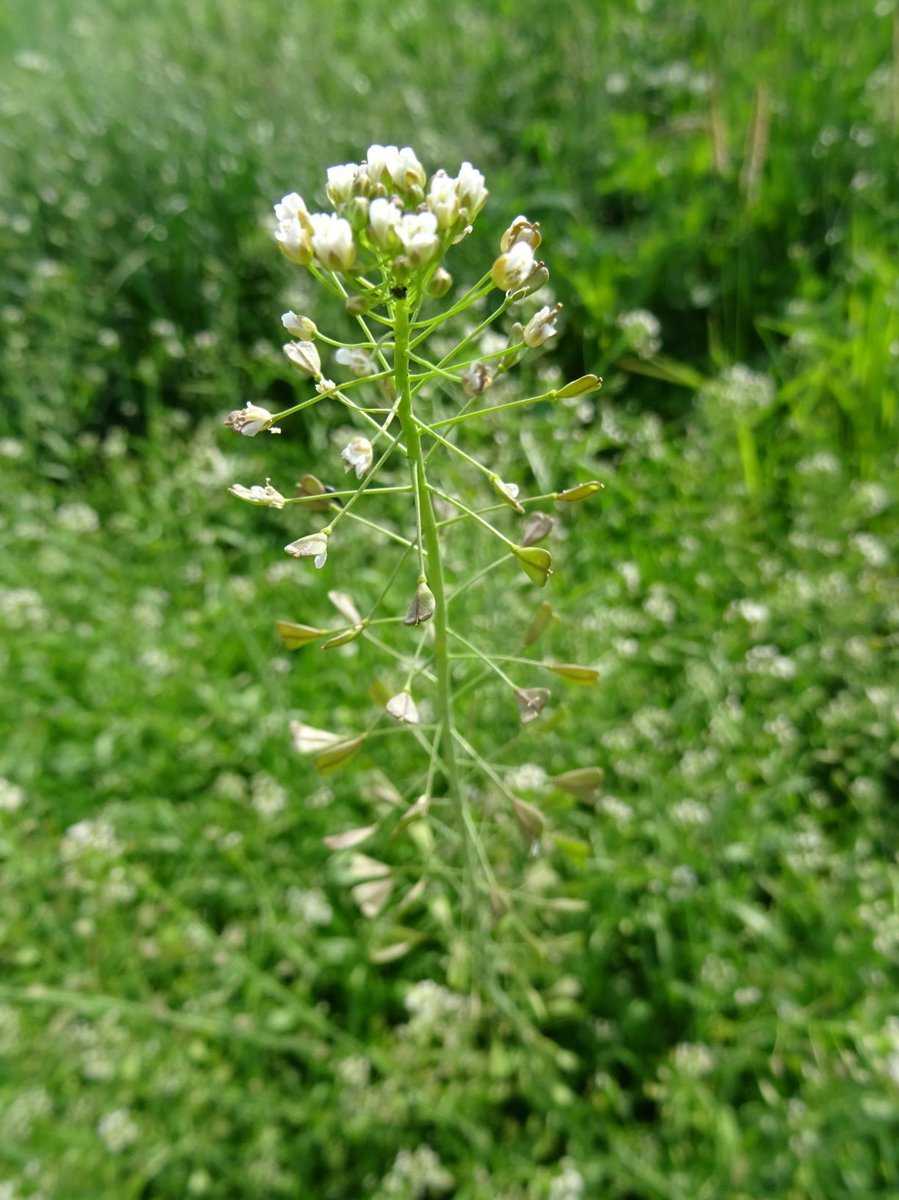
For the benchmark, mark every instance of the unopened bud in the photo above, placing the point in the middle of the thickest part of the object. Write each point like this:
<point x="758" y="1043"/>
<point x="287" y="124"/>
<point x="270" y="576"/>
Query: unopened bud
<point x="422" y="607"/>
<point x="440" y="283"/>
<point x="299" y="327"/>
<point x="529" y="818"/>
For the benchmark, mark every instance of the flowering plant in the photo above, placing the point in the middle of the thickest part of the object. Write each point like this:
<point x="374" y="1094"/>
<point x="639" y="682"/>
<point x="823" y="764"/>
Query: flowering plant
<point x="381" y="251"/>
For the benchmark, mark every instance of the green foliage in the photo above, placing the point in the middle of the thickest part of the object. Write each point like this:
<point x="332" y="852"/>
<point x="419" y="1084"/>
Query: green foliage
<point x="704" y="957"/>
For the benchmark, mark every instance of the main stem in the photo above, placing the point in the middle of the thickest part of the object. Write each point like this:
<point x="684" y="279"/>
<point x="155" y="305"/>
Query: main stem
<point x="431" y="540"/>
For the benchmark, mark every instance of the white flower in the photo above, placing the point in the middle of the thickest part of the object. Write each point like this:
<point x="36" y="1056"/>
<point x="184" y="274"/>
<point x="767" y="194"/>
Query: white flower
<point x="403" y="709"/>
<point x="470" y="190"/>
<point x="118" y="1130"/>
<point x="300" y="327"/>
<point x="418" y="234"/>
<point x="314" y="546"/>
<point x="513" y="269"/>
<point x="357" y="360"/>
<point x="340" y="182"/>
<point x="541" y="327"/>
<point x="383" y="218"/>
<point x="443" y="200"/>
<point x="404" y="168"/>
<point x="11" y="796"/>
<point x="332" y="241"/>
<point x="293" y="228"/>
<point x="250" y="420"/>
<point x="476" y="379"/>
<point x="379" y="160"/>
<point x="521" y="230"/>
<point x="357" y="454"/>
<point x="642" y="330"/>
<point x="292" y="207"/>
<point x="324" y="386"/>
<point x="305" y="358"/>
<point x="267" y="496"/>
<point x="309" y="740"/>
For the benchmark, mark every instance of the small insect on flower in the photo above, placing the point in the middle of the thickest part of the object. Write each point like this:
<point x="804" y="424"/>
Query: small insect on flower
<point x="305" y="358"/>
<point x="403" y="709"/>
<point x="358" y="455"/>
<point x="266" y="497"/>
<point x="250" y="420"/>
<point x="313" y="545"/>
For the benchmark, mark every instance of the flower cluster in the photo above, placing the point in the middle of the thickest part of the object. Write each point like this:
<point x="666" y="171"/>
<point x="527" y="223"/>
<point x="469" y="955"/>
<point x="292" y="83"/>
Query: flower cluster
<point x="385" y="212"/>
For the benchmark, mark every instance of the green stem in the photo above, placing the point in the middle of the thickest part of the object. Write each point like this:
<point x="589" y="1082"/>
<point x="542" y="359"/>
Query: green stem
<point x="431" y="538"/>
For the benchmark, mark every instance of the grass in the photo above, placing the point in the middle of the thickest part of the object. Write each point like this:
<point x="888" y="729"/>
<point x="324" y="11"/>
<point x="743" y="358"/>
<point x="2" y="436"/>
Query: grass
<point x="702" y="981"/>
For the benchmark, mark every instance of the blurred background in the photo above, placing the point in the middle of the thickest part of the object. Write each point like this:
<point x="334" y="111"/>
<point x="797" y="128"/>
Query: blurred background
<point x="190" y="1004"/>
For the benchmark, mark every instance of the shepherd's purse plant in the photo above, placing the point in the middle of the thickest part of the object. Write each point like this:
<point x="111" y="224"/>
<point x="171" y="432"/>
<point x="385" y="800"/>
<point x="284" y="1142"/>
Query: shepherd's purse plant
<point x="381" y="252"/>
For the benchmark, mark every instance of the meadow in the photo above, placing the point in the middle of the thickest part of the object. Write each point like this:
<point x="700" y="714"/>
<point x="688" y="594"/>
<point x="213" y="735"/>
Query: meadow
<point x="702" y="966"/>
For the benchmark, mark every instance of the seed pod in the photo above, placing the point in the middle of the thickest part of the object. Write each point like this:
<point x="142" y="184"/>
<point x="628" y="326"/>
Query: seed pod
<point x="308" y="485"/>
<point x="422" y="606"/>
<point x="403" y="709"/>
<point x="529" y="818"/>
<point x="574" y="673"/>
<point x="344" y="604"/>
<point x="345" y="636"/>
<point x="581" y="491"/>
<point x="579" y="387"/>
<point x="535" y="562"/>
<point x="508" y="492"/>
<point x="336" y="755"/>
<point x="542" y="618"/>
<point x="538" y="526"/>
<point x="293" y="635"/>
<point x="440" y="284"/>
<point x="582" y="781"/>
<point x="349" y="837"/>
<point x="372" y="896"/>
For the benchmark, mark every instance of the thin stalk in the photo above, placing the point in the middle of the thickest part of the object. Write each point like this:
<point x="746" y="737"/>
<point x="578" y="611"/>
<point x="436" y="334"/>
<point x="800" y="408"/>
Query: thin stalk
<point x="431" y="538"/>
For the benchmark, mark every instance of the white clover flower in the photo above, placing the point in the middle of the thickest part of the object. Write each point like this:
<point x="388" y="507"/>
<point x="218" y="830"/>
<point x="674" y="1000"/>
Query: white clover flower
<point x="332" y="241"/>
<point x="418" y="234"/>
<point x="513" y="269"/>
<point x="470" y="191"/>
<point x="358" y="455"/>
<point x="443" y="199"/>
<point x="250" y="420"/>
<point x="356" y="360"/>
<point x="341" y="181"/>
<point x="383" y="218"/>
<point x="309" y="740"/>
<point x="542" y="326"/>
<point x="267" y="496"/>
<point x="305" y="357"/>
<point x="313" y="545"/>
<point x="403" y="709"/>
<point x="300" y="327"/>
<point x="642" y="330"/>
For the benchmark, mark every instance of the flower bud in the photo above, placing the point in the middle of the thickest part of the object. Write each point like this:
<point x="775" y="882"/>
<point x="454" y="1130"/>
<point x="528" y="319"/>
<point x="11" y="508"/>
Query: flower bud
<point x="535" y="562"/>
<point x="422" y="607"/>
<point x="530" y="819"/>
<point x="305" y="357"/>
<point x="470" y="190"/>
<point x="541" y="327"/>
<point x="294" y="229"/>
<point x="521" y="230"/>
<point x="383" y="218"/>
<point x="406" y="172"/>
<point x="531" y="702"/>
<point x="314" y="546"/>
<point x="332" y="241"/>
<point x="358" y="455"/>
<point x="250" y="420"/>
<point x="440" y="283"/>
<point x="403" y="709"/>
<point x="299" y="327"/>
<point x="538" y="526"/>
<point x="341" y="181"/>
<point x="356" y="360"/>
<point x="443" y="200"/>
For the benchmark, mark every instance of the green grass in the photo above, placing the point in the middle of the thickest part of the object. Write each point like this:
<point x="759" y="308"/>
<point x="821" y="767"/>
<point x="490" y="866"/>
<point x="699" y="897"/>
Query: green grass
<point x="190" y="1003"/>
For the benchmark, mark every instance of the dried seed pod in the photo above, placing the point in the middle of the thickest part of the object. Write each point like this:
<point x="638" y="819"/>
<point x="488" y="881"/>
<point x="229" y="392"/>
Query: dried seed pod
<point x="538" y="526"/>
<point x="403" y="709"/>
<point x="422" y="607"/>
<point x="531" y="703"/>
<point x="542" y="618"/>
<point x="308" y="485"/>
